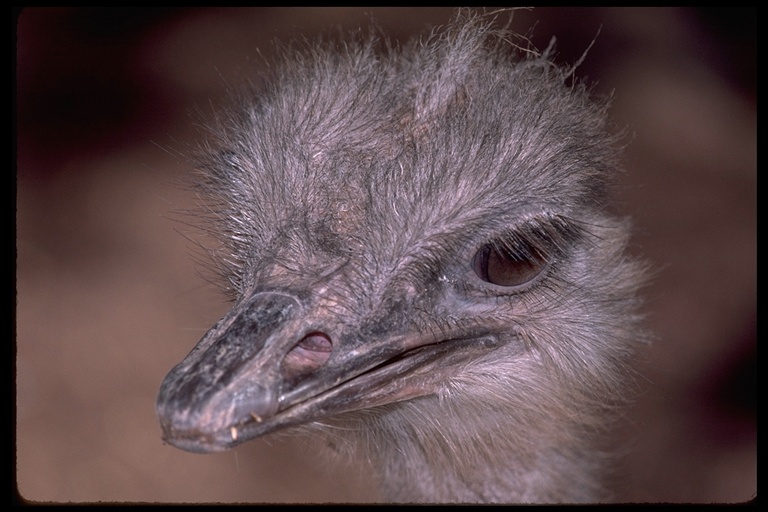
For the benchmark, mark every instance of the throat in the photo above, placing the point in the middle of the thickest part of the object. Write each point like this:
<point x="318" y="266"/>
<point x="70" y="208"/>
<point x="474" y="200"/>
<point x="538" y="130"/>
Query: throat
<point x="414" y="460"/>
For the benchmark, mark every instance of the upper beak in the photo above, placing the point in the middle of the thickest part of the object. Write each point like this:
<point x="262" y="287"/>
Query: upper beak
<point x="270" y="363"/>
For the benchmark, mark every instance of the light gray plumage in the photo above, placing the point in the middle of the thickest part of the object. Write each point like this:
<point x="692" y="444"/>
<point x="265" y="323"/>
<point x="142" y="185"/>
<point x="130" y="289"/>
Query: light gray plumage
<point x="418" y="250"/>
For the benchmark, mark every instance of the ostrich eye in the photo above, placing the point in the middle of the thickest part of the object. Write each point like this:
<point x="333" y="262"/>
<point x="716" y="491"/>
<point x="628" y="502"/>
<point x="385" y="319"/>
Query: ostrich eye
<point x="501" y="267"/>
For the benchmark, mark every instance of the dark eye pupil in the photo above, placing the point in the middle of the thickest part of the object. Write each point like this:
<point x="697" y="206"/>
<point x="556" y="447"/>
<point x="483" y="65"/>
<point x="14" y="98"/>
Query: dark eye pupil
<point x="504" y="269"/>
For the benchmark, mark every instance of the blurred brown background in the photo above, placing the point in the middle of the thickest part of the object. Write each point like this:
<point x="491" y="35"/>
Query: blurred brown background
<point x="108" y="299"/>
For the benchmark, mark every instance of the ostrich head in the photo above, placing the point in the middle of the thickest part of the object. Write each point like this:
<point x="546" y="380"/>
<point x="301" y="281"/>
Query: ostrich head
<point x="417" y="247"/>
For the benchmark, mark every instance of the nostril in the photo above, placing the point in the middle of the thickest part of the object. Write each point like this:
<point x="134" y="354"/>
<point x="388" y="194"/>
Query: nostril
<point x="316" y="342"/>
<point x="310" y="353"/>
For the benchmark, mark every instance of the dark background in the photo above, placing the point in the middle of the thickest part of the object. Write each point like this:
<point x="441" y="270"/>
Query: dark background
<point x="108" y="298"/>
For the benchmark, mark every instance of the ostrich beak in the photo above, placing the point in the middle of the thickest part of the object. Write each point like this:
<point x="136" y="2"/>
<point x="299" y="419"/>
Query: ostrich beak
<point x="265" y="366"/>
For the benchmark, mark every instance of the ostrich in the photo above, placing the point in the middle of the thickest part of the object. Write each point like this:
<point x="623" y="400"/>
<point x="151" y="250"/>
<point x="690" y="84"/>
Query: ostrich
<point x="422" y="266"/>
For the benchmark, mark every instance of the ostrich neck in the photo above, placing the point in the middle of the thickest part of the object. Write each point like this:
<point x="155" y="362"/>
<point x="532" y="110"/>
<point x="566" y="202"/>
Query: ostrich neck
<point x="417" y="459"/>
<point x="548" y="477"/>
